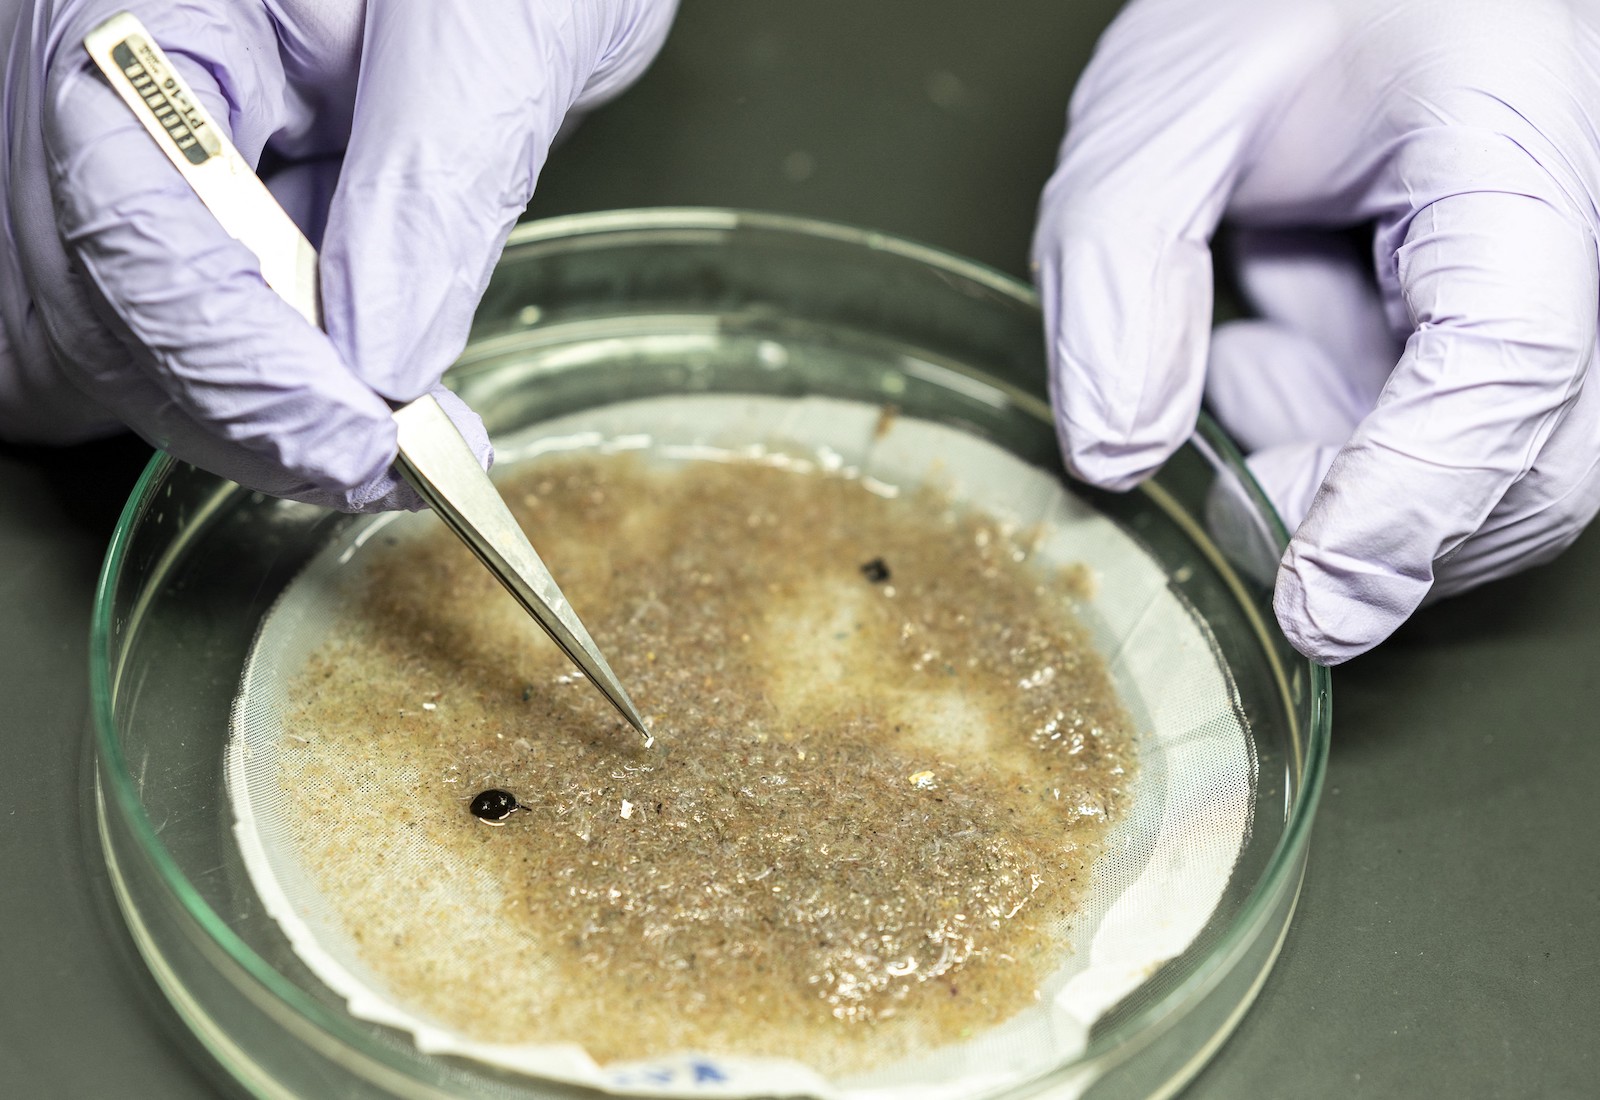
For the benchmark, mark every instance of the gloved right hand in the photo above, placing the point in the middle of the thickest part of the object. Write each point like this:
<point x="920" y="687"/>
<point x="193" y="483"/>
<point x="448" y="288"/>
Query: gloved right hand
<point x="413" y="134"/>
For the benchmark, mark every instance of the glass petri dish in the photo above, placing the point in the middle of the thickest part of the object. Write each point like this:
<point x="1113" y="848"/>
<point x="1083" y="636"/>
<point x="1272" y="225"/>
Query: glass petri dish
<point x="588" y="311"/>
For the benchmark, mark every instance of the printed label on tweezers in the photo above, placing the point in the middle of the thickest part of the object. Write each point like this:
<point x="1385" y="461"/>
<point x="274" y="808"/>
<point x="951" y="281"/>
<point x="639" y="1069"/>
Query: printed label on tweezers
<point x="166" y="98"/>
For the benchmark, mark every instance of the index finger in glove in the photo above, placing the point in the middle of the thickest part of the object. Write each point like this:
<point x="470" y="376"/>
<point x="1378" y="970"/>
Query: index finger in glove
<point x="1502" y="287"/>
<point x="1161" y="124"/>
<point x="455" y="116"/>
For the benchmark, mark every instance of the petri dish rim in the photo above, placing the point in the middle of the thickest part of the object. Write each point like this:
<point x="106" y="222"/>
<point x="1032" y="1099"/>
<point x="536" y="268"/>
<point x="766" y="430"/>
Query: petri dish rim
<point x="1129" y="1033"/>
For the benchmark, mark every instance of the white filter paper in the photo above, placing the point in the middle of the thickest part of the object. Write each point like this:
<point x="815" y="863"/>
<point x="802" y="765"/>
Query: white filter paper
<point x="1164" y="867"/>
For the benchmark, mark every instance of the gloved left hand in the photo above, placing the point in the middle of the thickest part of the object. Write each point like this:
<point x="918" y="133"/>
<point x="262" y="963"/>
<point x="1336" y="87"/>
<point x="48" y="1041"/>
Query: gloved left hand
<point x="1426" y="417"/>
<point x="410" y="135"/>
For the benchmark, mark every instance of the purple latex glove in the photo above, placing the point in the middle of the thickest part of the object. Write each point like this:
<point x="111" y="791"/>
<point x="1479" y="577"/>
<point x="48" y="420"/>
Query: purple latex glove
<point x="413" y="134"/>
<point x="1422" y="431"/>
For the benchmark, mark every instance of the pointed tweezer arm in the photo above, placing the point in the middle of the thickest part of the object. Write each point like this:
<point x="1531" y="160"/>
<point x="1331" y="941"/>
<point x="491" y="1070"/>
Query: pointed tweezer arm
<point x="442" y="468"/>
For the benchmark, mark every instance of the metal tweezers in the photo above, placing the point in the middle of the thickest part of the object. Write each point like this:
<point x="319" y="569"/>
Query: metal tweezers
<point x="433" y="457"/>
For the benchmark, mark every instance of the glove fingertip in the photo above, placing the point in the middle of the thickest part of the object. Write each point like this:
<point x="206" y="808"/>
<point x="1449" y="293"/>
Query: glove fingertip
<point x="386" y="491"/>
<point x="467" y="422"/>
<point x="1334" y="614"/>
<point x="1107" y="465"/>
<point x="1298" y="625"/>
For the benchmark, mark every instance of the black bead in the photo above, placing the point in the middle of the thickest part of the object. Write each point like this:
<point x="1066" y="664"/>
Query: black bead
<point x="876" y="571"/>
<point x="494" y="805"/>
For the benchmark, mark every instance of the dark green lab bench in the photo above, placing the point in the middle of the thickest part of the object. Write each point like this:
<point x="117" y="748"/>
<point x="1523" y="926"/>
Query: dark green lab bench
<point x="1449" y="929"/>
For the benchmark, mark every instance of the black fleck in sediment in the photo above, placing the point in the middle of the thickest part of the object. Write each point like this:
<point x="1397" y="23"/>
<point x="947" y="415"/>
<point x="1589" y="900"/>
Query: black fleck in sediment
<point x="876" y="570"/>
